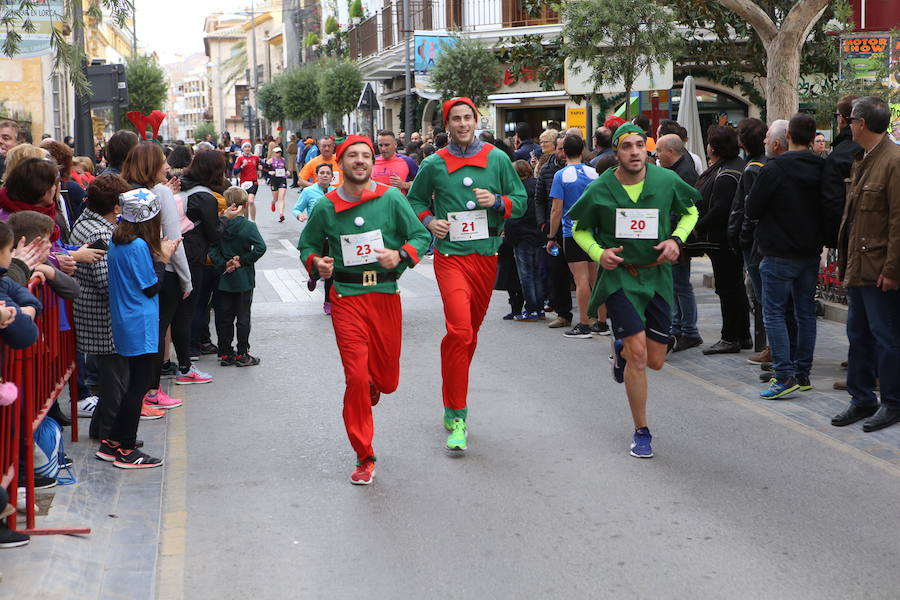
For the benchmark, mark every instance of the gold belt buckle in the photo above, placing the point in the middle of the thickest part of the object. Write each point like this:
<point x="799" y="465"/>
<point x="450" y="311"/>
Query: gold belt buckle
<point x="370" y="278"/>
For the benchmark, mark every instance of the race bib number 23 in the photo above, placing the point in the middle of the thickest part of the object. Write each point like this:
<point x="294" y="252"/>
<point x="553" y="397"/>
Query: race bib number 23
<point x="360" y="249"/>
<point x="637" y="223"/>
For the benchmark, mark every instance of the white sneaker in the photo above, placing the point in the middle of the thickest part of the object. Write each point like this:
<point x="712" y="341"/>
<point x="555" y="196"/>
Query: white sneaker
<point x="20" y="501"/>
<point x="86" y="407"/>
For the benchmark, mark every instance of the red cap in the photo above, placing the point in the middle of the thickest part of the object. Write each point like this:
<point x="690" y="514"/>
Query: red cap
<point x="453" y="102"/>
<point x="614" y="121"/>
<point x="351" y="140"/>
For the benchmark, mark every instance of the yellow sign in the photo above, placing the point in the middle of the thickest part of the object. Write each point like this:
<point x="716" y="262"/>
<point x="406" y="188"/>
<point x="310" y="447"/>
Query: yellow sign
<point x="577" y="117"/>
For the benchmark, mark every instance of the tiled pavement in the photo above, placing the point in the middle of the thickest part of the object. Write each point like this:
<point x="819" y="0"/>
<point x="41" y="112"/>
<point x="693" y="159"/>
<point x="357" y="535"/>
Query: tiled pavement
<point x="812" y="409"/>
<point x="117" y="560"/>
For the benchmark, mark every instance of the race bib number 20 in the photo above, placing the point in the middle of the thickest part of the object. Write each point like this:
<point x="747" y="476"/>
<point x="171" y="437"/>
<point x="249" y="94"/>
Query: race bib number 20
<point x="637" y="223"/>
<point x="360" y="249"/>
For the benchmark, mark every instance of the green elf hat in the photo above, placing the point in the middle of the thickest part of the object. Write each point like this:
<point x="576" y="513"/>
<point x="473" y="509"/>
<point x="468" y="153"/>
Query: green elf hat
<point x="627" y="129"/>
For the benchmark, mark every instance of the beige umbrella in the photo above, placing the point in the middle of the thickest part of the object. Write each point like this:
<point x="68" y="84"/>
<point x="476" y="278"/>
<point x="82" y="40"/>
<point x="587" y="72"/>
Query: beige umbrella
<point x="689" y="118"/>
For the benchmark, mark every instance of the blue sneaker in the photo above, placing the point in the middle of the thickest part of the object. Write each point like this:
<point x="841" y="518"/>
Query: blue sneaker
<point x="779" y="389"/>
<point x="617" y="361"/>
<point x="640" y="446"/>
<point x="529" y="317"/>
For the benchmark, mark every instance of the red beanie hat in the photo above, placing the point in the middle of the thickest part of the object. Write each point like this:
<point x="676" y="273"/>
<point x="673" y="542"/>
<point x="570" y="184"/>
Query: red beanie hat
<point x="352" y="140"/>
<point x="458" y="100"/>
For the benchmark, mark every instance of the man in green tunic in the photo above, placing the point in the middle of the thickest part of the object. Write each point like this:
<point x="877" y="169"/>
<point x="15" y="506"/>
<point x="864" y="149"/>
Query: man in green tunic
<point x="623" y="222"/>
<point x="372" y="237"/>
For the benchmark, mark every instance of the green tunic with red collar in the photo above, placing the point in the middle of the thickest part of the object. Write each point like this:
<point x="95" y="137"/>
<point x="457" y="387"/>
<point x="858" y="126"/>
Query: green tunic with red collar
<point x="440" y="188"/>
<point x="597" y="211"/>
<point x="383" y="209"/>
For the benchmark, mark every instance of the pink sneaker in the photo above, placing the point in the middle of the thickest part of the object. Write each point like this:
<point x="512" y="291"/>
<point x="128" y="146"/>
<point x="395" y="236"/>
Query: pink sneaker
<point x="192" y="376"/>
<point x="161" y="400"/>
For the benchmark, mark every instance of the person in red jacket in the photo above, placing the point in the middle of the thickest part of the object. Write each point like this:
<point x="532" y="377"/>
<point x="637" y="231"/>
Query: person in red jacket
<point x="246" y="167"/>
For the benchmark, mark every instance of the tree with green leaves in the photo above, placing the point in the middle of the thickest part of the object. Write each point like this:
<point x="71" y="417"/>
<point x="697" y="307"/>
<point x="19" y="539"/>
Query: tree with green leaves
<point x="783" y="34"/>
<point x="148" y="86"/>
<point x="204" y="129"/>
<point x="618" y="40"/>
<point x="340" y="85"/>
<point x="300" y="94"/>
<point x="270" y="98"/>
<point x="726" y="50"/>
<point x="15" y="20"/>
<point x="466" y="68"/>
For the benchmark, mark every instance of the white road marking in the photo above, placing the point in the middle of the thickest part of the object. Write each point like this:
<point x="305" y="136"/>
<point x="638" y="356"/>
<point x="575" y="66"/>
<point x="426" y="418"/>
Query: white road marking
<point x="283" y="292"/>
<point x="289" y="246"/>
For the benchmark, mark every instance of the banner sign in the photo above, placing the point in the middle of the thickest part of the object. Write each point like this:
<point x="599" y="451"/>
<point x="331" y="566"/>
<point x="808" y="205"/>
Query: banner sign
<point x="428" y="49"/>
<point x="44" y="15"/>
<point x="864" y="55"/>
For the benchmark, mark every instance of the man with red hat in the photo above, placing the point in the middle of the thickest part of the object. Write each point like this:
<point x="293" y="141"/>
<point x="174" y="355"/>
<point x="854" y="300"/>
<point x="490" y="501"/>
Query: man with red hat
<point x="373" y="236"/>
<point x="463" y="193"/>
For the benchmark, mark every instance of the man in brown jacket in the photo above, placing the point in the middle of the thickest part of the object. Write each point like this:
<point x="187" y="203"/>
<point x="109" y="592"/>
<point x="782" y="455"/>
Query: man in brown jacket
<point x="869" y="246"/>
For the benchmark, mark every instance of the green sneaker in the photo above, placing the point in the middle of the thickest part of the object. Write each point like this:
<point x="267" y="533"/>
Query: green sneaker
<point x="448" y="423"/>
<point x="456" y="441"/>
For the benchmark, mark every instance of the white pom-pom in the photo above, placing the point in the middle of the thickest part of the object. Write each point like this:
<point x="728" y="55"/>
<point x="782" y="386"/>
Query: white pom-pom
<point x="470" y="205"/>
<point x="467" y="181"/>
<point x="359" y="221"/>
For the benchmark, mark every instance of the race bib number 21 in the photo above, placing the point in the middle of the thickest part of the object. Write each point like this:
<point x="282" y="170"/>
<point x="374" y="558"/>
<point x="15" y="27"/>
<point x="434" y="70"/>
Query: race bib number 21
<point x="637" y="223"/>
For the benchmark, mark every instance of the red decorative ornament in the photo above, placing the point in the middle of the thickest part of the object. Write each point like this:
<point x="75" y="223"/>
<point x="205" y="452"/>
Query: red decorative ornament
<point x="141" y="122"/>
<point x="278" y="129"/>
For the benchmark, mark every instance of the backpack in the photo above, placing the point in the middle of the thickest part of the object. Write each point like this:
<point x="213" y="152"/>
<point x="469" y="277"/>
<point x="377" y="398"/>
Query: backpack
<point x="186" y="224"/>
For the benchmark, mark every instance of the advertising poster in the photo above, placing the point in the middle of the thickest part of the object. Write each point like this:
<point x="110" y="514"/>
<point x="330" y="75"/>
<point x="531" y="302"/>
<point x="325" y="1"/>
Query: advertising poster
<point x="864" y="55"/>
<point x="895" y="90"/>
<point x="43" y="15"/>
<point x="428" y="49"/>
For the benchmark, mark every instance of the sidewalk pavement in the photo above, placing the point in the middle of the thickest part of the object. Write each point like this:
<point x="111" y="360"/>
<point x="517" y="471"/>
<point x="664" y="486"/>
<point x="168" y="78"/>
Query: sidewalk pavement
<point x="117" y="560"/>
<point x="814" y="408"/>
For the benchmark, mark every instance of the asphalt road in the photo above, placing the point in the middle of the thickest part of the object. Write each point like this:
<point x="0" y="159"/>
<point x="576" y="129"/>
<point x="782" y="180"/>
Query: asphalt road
<point x="739" y="502"/>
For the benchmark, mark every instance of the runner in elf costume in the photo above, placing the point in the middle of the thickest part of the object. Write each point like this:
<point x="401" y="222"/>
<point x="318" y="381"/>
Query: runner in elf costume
<point x="373" y="236"/>
<point x="463" y="193"/>
<point x="623" y="222"/>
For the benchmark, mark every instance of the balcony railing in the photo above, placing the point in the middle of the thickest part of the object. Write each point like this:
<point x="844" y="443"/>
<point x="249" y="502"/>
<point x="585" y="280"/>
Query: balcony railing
<point x="384" y="29"/>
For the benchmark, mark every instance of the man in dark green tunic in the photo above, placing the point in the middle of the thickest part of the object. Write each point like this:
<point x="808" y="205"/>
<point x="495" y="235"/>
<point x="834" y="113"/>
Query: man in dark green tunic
<point x="623" y="222"/>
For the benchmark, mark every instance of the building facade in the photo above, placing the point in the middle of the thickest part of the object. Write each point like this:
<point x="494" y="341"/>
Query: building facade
<point x="377" y="42"/>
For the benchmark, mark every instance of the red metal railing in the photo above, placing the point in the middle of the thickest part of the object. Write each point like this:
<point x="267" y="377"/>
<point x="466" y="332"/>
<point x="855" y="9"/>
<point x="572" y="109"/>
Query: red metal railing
<point x="829" y="285"/>
<point x="41" y="371"/>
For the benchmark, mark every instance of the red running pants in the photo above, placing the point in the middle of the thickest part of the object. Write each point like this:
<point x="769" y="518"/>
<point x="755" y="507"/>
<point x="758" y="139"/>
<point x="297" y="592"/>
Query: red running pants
<point x="466" y="284"/>
<point x="368" y="332"/>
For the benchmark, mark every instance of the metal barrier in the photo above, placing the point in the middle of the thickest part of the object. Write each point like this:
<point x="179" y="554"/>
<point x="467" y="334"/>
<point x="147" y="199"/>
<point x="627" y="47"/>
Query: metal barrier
<point x="40" y="371"/>
<point x="829" y="285"/>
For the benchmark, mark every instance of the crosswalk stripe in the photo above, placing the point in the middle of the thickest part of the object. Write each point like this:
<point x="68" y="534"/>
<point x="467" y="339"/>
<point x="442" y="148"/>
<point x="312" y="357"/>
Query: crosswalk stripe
<point x="288" y="245"/>
<point x="283" y="292"/>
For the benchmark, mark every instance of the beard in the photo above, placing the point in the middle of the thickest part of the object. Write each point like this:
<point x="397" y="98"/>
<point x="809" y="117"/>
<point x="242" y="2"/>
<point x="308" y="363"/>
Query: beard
<point x="351" y="177"/>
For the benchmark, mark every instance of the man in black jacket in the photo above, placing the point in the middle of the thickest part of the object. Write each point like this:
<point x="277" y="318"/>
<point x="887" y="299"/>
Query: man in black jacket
<point x="671" y="154"/>
<point x="787" y="203"/>
<point x="752" y="138"/>
<point x="837" y="166"/>
<point x="559" y="286"/>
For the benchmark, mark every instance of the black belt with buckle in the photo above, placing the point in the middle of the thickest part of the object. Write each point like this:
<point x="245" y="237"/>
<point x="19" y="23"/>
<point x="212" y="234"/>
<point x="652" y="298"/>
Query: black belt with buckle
<point x="365" y="278"/>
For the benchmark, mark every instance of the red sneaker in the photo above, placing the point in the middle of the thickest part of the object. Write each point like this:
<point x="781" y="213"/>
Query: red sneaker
<point x="364" y="473"/>
<point x="374" y="393"/>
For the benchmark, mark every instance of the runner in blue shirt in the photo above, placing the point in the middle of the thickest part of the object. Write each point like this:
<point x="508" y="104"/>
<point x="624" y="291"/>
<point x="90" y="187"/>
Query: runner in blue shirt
<point x="568" y="185"/>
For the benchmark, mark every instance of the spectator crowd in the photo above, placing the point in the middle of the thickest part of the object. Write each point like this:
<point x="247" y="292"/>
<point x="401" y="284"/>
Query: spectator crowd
<point x="150" y="241"/>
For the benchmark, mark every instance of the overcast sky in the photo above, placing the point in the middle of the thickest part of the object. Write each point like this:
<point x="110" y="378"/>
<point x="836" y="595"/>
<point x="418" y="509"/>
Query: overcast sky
<point x="172" y="27"/>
